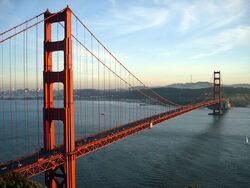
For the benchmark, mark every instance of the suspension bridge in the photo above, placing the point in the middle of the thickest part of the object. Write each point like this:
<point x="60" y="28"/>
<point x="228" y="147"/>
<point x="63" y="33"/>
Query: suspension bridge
<point x="88" y="100"/>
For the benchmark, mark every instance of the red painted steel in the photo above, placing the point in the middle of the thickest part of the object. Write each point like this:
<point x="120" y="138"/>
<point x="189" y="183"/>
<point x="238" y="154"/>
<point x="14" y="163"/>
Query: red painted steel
<point x="51" y="113"/>
<point x="27" y="28"/>
<point x="217" y="93"/>
<point x="61" y="164"/>
<point x="55" y="160"/>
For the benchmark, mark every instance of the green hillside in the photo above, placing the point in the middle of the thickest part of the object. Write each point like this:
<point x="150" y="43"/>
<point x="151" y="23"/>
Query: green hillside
<point x="17" y="180"/>
<point x="238" y="97"/>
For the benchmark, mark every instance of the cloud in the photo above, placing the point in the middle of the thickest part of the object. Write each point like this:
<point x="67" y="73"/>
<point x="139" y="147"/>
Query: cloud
<point x="182" y="16"/>
<point x="129" y="19"/>
<point x="168" y="53"/>
<point x="221" y="49"/>
<point x="223" y="41"/>
<point x="113" y="2"/>
<point x="188" y="19"/>
<point x="5" y="3"/>
<point x="204" y="16"/>
<point x="139" y="18"/>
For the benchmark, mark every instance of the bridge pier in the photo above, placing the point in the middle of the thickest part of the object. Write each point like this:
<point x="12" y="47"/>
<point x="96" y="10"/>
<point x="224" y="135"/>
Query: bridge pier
<point x="66" y="114"/>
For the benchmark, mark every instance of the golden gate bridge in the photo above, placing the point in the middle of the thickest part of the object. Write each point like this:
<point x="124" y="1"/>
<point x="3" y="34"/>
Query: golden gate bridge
<point x="110" y="102"/>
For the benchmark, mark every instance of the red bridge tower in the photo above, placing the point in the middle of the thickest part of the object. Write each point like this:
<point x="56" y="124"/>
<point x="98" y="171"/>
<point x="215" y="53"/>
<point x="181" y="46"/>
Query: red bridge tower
<point x="65" y="114"/>
<point x="217" y="93"/>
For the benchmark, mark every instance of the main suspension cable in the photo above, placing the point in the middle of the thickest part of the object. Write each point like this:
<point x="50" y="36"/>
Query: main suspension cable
<point x="174" y="104"/>
<point x="32" y="26"/>
<point x="22" y="24"/>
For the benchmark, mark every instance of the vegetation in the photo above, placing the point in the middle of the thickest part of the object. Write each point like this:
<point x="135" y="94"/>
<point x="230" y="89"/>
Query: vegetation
<point x="17" y="180"/>
<point x="238" y="97"/>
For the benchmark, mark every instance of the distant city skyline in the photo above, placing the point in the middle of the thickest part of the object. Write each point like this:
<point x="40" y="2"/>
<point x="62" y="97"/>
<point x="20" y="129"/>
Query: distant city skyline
<point x="162" y="42"/>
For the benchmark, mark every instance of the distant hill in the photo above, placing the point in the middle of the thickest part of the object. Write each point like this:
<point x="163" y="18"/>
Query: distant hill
<point x="239" y="94"/>
<point x="197" y="85"/>
<point x="200" y="85"/>
<point x="238" y="97"/>
<point x="238" y="85"/>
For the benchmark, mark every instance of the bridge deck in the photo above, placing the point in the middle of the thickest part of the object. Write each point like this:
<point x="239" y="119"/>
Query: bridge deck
<point x="39" y="162"/>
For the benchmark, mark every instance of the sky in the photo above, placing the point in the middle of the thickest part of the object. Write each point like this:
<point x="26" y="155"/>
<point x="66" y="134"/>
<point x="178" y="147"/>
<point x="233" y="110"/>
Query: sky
<point x="161" y="41"/>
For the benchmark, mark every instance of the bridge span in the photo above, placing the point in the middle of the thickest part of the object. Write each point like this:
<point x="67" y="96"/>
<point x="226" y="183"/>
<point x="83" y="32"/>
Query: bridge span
<point x="37" y="163"/>
<point x="98" y="73"/>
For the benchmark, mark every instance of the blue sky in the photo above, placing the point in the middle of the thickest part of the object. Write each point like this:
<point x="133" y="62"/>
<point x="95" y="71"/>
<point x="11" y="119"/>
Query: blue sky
<point x="160" y="41"/>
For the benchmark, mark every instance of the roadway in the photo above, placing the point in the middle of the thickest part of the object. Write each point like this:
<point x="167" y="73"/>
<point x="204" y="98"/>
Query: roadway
<point x="44" y="160"/>
<point x="29" y="159"/>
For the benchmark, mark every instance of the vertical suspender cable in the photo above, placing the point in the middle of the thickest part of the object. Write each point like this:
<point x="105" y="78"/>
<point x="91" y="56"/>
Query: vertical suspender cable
<point x="92" y="63"/>
<point x="77" y="86"/>
<point x="104" y="91"/>
<point x="85" y="65"/>
<point x="98" y="89"/>
<point x="74" y="80"/>
<point x="37" y="90"/>
<point x="136" y="111"/>
<point x="116" y="95"/>
<point x="24" y="92"/>
<point x="110" y="93"/>
<point x="125" y="91"/>
<point x="113" y="97"/>
<point x="81" y="57"/>
<point x="120" y="110"/>
<point x="11" y="125"/>
<point x="124" y="97"/>
<point x="27" y="80"/>
<point x="15" y="100"/>
<point x="134" y="101"/>
<point x="87" y="102"/>
<point x="2" y="88"/>
<point x="129" y="104"/>
<point x="2" y="92"/>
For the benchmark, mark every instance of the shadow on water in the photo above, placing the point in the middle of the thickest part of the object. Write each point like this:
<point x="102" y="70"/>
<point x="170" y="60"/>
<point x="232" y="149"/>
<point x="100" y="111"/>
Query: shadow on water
<point x="201" y="139"/>
<point x="215" y="125"/>
<point x="195" y="161"/>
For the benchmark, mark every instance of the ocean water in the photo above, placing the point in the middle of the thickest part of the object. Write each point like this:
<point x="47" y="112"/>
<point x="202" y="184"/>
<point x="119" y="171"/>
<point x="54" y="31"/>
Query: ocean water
<point x="192" y="149"/>
<point x="189" y="150"/>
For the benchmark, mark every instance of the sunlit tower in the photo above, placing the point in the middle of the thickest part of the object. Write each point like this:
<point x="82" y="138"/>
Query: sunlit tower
<point x="65" y="114"/>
